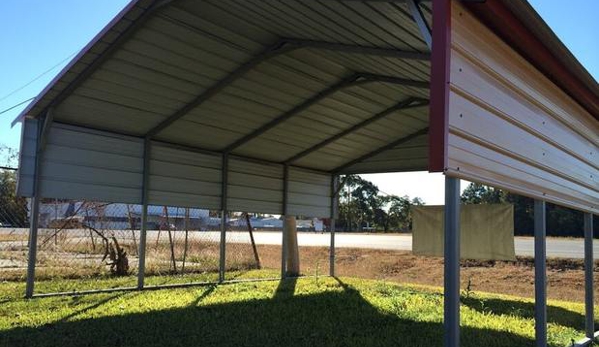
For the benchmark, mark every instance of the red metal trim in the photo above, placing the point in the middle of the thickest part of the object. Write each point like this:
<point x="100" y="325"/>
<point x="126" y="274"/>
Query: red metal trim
<point x="495" y="15"/>
<point x="439" y="91"/>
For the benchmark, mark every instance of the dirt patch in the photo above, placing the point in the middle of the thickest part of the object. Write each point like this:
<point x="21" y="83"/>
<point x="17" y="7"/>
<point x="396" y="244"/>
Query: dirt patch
<point x="565" y="276"/>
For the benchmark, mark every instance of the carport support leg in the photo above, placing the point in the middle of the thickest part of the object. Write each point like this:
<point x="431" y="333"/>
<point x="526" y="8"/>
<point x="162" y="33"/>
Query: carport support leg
<point x="285" y="211"/>
<point x="588" y="275"/>
<point x="141" y="268"/>
<point x="334" y="183"/>
<point x="452" y="263"/>
<point x="223" y="217"/>
<point x="540" y="274"/>
<point x="32" y="255"/>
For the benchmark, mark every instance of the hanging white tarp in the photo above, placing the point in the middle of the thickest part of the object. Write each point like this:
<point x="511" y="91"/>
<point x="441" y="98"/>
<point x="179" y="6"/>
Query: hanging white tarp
<point x="487" y="231"/>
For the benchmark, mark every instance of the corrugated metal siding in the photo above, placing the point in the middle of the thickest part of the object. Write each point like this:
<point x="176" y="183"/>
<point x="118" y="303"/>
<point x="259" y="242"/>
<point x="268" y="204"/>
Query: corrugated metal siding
<point x="79" y="163"/>
<point x="27" y="154"/>
<point x="184" y="178"/>
<point x="186" y="47"/>
<point x="410" y="156"/>
<point x="255" y="187"/>
<point x="309" y="193"/>
<point x="512" y="128"/>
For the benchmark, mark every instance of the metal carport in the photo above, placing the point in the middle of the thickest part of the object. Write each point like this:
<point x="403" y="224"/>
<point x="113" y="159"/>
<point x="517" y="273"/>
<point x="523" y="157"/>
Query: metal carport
<point x="259" y="105"/>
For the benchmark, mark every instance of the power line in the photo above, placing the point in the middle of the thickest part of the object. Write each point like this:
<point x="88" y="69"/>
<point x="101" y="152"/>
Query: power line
<point x="17" y="105"/>
<point x="39" y="76"/>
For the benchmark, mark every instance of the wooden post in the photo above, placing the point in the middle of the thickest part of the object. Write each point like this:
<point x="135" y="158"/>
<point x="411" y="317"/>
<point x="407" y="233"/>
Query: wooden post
<point x="290" y="230"/>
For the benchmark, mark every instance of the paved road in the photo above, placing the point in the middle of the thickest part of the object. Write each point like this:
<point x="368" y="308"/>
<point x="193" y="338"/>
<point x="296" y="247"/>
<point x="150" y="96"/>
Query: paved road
<point x="556" y="247"/>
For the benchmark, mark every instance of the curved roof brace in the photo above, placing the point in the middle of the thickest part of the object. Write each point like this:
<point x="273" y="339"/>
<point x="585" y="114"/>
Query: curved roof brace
<point x="380" y="150"/>
<point x="349" y="81"/>
<point x="402" y="105"/>
<point x="278" y="48"/>
<point x="341" y="47"/>
<point x="282" y="46"/>
<point x="425" y="30"/>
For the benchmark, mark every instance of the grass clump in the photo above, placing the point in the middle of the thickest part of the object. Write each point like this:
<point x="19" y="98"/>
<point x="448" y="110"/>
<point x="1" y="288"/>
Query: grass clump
<point x="309" y="311"/>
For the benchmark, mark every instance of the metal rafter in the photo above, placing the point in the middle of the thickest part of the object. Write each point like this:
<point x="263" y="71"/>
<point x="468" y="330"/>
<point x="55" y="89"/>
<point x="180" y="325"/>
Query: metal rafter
<point x="350" y="81"/>
<point x="425" y="30"/>
<point x="283" y="46"/>
<point x="402" y="105"/>
<point x="381" y="149"/>
<point x="278" y="48"/>
<point x="346" y="48"/>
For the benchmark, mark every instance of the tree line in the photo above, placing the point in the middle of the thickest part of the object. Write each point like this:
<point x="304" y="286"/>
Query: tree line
<point x="363" y="208"/>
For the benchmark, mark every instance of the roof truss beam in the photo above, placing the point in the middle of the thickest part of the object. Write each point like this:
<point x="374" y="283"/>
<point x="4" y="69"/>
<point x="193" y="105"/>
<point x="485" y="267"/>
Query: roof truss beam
<point x="425" y="29"/>
<point x="283" y="46"/>
<point x="350" y="81"/>
<point x="345" y="48"/>
<point x="380" y="150"/>
<point x="402" y="105"/>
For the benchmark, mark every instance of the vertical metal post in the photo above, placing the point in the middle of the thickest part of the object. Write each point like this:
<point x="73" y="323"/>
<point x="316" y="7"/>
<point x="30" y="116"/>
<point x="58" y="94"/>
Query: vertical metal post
<point x="32" y="255"/>
<point x="588" y="275"/>
<point x="223" y="219"/>
<point x="285" y="212"/>
<point x="334" y="182"/>
<point x="42" y="125"/>
<point x="540" y="226"/>
<point x="452" y="262"/>
<point x="141" y="267"/>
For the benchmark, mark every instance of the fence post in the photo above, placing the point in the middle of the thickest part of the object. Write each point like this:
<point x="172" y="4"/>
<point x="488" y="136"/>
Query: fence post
<point x="43" y="127"/>
<point x="223" y="219"/>
<point x="451" y="309"/>
<point x="334" y="182"/>
<point x="540" y="223"/>
<point x="141" y="268"/>
<point x="285" y="212"/>
<point x="588" y="275"/>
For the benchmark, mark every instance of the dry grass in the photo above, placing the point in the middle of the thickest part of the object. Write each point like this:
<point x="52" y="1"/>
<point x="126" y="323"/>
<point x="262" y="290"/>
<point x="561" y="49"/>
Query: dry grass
<point x="81" y="260"/>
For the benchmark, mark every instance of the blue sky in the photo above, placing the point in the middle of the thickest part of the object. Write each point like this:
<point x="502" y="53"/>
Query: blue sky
<point x="38" y="34"/>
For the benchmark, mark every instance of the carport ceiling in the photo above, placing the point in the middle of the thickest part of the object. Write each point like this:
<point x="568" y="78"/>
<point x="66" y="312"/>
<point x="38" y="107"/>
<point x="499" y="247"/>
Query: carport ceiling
<point x="336" y="86"/>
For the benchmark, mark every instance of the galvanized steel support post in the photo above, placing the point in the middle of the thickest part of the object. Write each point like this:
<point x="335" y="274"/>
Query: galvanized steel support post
<point x="141" y="267"/>
<point x="42" y="130"/>
<point x="223" y="219"/>
<point x="452" y="262"/>
<point x="285" y="212"/>
<point x="540" y="224"/>
<point x="588" y="276"/>
<point x="334" y="183"/>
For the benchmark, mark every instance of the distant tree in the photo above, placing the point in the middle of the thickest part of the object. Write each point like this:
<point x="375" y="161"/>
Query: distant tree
<point x="357" y="202"/>
<point x="398" y="213"/>
<point x="477" y="193"/>
<point x="561" y="221"/>
<point x="360" y="204"/>
<point x="13" y="209"/>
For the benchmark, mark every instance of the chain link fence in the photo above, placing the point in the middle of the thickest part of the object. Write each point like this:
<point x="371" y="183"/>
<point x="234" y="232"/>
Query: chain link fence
<point x="99" y="241"/>
<point x="14" y="224"/>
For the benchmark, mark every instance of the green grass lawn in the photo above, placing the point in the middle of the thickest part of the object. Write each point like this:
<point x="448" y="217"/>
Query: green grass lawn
<point x="305" y="312"/>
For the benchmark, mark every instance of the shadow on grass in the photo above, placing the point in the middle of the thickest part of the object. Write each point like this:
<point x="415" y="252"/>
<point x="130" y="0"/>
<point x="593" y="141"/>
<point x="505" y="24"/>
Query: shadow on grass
<point x="330" y="318"/>
<point x="557" y="315"/>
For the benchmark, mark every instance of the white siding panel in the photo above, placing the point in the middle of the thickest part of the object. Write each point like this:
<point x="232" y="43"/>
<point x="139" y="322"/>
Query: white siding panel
<point x="79" y="163"/>
<point x="309" y="193"/>
<point x="255" y="187"/>
<point x="184" y="178"/>
<point x="27" y="157"/>
<point x="511" y="127"/>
